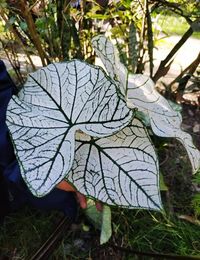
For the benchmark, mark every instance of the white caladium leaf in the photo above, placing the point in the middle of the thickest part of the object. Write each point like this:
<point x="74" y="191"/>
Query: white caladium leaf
<point x="140" y="92"/>
<point x="119" y="170"/>
<point x="110" y="57"/>
<point x="164" y="121"/>
<point x="55" y="102"/>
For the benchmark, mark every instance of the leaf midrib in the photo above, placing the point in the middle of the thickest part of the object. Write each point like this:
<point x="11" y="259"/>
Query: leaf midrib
<point x="114" y="162"/>
<point x="58" y="106"/>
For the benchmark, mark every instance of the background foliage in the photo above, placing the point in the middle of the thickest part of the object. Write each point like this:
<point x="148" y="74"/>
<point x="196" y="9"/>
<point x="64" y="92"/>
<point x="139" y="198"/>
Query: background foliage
<point x="61" y="30"/>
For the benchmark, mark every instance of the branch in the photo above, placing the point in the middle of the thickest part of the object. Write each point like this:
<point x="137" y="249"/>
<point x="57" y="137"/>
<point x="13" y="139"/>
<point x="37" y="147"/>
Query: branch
<point x="18" y="37"/>
<point x="149" y="38"/>
<point x="159" y="72"/>
<point x="174" y="7"/>
<point x="46" y="250"/>
<point x="33" y="32"/>
<point x="190" y="70"/>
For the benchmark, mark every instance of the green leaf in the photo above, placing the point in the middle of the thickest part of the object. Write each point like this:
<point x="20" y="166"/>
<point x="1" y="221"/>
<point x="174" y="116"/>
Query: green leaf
<point x="106" y="228"/>
<point x="12" y="19"/>
<point x="163" y="186"/>
<point x="23" y="26"/>
<point x="100" y="219"/>
<point x="119" y="170"/>
<point x="92" y="15"/>
<point x="93" y="214"/>
<point x="55" y="102"/>
<point x="10" y="22"/>
<point x="176" y="107"/>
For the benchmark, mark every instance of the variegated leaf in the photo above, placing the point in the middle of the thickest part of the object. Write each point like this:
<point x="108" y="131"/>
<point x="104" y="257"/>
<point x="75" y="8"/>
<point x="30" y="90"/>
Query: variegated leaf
<point x="165" y="121"/>
<point x="55" y="102"/>
<point x="110" y="58"/>
<point x="119" y="170"/>
<point x="140" y="93"/>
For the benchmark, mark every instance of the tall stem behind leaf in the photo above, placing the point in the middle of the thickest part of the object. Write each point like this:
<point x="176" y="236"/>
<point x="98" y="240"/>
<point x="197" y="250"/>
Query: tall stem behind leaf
<point x="132" y="47"/>
<point x="140" y="66"/>
<point x="33" y="32"/>
<point x="163" y="64"/>
<point x="18" y="37"/>
<point x="63" y="21"/>
<point x="149" y="37"/>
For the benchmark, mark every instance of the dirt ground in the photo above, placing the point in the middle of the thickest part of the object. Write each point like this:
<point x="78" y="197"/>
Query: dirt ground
<point x="191" y="122"/>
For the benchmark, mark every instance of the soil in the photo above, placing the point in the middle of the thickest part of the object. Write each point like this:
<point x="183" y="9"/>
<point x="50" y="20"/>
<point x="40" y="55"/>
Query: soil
<point x="176" y="168"/>
<point x="191" y="122"/>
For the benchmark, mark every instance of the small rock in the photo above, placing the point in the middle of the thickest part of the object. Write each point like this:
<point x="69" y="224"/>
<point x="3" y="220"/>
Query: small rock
<point x="190" y="112"/>
<point x="78" y="243"/>
<point x="196" y="128"/>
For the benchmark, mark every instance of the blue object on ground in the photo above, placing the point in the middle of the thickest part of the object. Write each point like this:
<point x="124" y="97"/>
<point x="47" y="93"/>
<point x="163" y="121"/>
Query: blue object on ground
<point x="13" y="191"/>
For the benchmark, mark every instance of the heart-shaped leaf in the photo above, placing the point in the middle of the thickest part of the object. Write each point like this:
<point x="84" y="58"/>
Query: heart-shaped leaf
<point x="164" y="121"/>
<point x="140" y="92"/>
<point x="55" y="102"/>
<point x="119" y="170"/>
